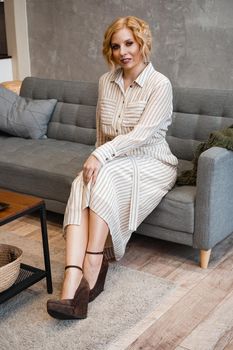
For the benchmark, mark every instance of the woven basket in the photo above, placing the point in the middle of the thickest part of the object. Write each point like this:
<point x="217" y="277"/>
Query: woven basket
<point x="10" y="258"/>
<point x="13" y="85"/>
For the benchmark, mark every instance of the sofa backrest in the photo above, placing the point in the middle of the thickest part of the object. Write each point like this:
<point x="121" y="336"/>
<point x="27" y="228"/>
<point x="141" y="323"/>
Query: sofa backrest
<point x="196" y="113"/>
<point x="74" y="117"/>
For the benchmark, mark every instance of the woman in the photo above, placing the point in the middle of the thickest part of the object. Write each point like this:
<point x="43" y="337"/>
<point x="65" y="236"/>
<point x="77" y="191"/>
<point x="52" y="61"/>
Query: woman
<point x="129" y="172"/>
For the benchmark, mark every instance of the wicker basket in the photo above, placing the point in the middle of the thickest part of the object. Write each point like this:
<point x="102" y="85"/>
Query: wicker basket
<point x="10" y="258"/>
<point x="13" y="85"/>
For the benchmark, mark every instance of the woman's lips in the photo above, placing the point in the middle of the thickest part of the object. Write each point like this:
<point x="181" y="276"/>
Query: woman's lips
<point x="125" y="60"/>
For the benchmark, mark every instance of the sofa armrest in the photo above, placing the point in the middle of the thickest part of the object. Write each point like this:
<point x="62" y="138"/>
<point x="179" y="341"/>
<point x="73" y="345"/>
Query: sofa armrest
<point x="214" y="198"/>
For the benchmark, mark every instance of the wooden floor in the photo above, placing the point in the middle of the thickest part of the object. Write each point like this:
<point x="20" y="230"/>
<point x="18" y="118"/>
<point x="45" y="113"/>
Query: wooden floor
<point x="197" y="315"/>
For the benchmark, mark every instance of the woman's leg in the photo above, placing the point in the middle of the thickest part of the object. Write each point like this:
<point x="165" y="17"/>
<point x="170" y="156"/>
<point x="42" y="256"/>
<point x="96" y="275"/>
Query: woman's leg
<point x="76" y="245"/>
<point x="98" y="232"/>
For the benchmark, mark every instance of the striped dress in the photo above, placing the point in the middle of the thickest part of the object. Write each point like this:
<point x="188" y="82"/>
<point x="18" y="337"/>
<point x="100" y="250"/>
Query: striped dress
<point x="138" y="168"/>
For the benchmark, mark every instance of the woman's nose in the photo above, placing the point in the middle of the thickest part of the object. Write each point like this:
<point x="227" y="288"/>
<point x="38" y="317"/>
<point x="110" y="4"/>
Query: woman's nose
<point x="122" y="50"/>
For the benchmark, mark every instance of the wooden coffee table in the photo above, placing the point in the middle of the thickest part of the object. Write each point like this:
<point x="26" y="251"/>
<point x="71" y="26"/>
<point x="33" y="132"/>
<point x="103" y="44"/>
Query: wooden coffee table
<point x="20" y="205"/>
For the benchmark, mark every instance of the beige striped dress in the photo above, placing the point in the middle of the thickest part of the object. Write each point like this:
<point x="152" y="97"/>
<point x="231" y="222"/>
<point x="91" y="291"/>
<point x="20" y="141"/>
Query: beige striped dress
<point x="138" y="168"/>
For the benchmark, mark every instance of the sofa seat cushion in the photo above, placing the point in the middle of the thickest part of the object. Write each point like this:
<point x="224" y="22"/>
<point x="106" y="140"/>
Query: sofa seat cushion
<point x="44" y="168"/>
<point x="176" y="210"/>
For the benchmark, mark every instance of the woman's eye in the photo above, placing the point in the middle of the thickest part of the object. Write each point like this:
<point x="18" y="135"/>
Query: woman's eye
<point x="129" y="43"/>
<point x="114" y="47"/>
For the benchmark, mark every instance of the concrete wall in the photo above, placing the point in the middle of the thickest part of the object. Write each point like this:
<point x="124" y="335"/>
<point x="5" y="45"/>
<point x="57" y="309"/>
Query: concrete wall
<point x="193" y="39"/>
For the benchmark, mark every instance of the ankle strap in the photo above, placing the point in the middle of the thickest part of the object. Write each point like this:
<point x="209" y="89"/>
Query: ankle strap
<point x="94" y="252"/>
<point x="77" y="267"/>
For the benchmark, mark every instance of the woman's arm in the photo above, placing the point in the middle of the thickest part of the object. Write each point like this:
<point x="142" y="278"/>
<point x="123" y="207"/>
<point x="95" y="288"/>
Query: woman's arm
<point x="92" y="165"/>
<point x="157" y="111"/>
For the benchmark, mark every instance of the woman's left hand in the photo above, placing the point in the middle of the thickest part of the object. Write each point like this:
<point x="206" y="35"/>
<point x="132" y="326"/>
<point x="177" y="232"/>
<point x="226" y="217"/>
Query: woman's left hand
<point x="91" y="169"/>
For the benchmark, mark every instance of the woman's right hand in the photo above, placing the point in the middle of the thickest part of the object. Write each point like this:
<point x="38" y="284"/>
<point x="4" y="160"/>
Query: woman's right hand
<point x="91" y="169"/>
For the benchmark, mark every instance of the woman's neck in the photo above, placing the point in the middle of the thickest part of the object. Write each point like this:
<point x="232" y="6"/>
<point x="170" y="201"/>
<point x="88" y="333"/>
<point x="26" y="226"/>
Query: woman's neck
<point x="130" y="75"/>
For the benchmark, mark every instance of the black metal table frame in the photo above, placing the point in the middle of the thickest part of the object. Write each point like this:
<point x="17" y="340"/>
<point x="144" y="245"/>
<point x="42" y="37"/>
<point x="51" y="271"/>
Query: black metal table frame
<point x="36" y="274"/>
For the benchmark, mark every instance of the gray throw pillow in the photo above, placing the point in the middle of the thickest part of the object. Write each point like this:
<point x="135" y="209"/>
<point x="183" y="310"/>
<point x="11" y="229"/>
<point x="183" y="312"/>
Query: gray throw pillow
<point x="24" y="117"/>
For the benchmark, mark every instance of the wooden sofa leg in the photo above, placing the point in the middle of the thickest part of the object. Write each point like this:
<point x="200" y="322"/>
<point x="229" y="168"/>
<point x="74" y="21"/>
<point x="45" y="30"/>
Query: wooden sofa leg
<point x="204" y="258"/>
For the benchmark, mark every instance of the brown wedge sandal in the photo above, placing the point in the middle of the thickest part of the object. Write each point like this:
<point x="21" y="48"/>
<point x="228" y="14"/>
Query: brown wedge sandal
<point x="99" y="284"/>
<point x="68" y="309"/>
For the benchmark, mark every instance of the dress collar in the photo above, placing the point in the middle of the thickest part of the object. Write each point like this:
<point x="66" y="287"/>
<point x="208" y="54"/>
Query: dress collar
<point x="117" y="75"/>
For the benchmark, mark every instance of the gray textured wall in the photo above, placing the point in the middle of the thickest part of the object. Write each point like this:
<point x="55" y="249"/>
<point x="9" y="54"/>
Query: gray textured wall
<point x="193" y="39"/>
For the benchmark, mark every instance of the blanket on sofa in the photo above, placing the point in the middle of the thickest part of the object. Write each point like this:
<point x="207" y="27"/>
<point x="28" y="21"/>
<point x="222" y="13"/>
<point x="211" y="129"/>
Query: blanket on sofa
<point x="221" y="138"/>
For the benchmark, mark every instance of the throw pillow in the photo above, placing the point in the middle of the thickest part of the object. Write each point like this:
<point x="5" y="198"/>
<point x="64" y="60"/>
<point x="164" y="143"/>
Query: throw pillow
<point x="24" y="117"/>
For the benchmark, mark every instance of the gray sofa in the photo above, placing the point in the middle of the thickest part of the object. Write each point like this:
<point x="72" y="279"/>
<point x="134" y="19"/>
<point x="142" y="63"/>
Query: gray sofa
<point x="199" y="216"/>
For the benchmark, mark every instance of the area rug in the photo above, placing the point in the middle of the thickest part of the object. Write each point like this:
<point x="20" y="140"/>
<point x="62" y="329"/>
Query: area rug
<point x="129" y="296"/>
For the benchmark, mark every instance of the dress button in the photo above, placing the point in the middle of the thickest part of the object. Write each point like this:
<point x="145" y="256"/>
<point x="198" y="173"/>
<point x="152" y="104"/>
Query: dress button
<point x="113" y="155"/>
<point x="116" y="130"/>
<point x="131" y="86"/>
<point x="106" y="158"/>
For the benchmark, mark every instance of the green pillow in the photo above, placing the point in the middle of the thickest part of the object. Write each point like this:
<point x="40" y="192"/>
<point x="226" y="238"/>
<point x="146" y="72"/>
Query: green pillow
<point x="24" y="117"/>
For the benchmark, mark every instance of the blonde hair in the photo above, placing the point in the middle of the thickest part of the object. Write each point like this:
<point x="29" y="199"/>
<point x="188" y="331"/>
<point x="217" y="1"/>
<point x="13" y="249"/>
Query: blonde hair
<point x="140" y="30"/>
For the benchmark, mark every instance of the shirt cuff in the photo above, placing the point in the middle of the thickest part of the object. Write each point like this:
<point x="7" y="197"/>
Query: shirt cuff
<point x="104" y="153"/>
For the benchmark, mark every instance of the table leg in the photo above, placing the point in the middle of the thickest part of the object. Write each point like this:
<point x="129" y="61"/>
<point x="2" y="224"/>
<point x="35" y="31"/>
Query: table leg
<point x="46" y="248"/>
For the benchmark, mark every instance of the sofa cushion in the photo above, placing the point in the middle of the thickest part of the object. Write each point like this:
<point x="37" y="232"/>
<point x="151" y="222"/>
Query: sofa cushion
<point x="44" y="168"/>
<point x="73" y="122"/>
<point x="197" y="112"/>
<point x="24" y="117"/>
<point x="176" y="210"/>
<point x="74" y="117"/>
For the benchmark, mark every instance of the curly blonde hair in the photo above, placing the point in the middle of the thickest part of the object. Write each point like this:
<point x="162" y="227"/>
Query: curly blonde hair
<point x="140" y="30"/>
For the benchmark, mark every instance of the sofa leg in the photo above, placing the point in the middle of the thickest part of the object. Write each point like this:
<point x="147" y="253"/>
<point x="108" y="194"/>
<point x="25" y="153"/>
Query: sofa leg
<point x="204" y="258"/>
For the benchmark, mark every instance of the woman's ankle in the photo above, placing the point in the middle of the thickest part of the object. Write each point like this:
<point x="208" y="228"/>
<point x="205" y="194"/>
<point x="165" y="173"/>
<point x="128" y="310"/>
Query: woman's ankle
<point x="93" y="260"/>
<point x="71" y="282"/>
<point x="92" y="266"/>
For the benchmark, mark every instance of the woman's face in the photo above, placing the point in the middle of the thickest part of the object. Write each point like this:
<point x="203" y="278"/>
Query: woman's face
<point x="125" y="49"/>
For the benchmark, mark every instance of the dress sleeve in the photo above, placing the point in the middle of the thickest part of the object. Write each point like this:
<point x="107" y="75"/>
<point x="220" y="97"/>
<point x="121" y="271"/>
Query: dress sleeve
<point x="157" y="111"/>
<point x="100" y="138"/>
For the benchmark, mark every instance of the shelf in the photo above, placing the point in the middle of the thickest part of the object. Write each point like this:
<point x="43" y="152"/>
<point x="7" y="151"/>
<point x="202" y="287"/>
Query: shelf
<point x="4" y="57"/>
<point x="28" y="275"/>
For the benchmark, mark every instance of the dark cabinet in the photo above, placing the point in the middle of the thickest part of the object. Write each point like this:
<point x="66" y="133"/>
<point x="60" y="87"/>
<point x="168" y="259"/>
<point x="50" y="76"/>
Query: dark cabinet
<point x="3" y="42"/>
